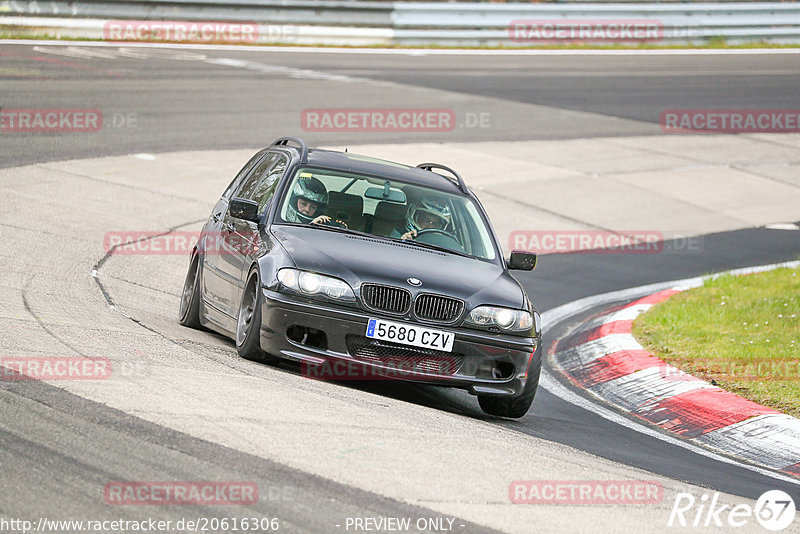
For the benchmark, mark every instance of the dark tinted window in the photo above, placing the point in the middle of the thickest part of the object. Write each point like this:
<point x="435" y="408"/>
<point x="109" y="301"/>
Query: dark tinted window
<point x="261" y="183"/>
<point x="242" y="173"/>
<point x="355" y="199"/>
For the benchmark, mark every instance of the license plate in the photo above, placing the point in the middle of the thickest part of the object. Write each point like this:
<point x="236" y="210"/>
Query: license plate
<point x="408" y="334"/>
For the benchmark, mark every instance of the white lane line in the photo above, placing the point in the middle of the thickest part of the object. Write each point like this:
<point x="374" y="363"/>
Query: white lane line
<point x="779" y="433"/>
<point x="782" y="226"/>
<point x="552" y="385"/>
<point x="240" y="63"/>
<point x="134" y="54"/>
<point x="559" y="390"/>
<point x="426" y="51"/>
<point x="291" y="72"/>
<point x="75" y="52"/>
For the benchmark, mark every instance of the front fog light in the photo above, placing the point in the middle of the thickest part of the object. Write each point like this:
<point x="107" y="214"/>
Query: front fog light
<point x="309" y="282"/>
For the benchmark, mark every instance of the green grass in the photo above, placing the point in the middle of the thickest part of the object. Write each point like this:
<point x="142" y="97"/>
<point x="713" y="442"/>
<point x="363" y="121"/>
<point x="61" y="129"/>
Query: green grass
<point x="741" y="333"/>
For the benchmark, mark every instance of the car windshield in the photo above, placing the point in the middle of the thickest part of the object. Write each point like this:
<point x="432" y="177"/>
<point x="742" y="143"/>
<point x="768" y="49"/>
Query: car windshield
<point x="387" y="208"/>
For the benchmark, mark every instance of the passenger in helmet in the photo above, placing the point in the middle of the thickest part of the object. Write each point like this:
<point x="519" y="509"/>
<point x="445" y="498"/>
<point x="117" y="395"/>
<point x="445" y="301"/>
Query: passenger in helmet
<point x="425" y="214"/>
<point x="307" y="201"/>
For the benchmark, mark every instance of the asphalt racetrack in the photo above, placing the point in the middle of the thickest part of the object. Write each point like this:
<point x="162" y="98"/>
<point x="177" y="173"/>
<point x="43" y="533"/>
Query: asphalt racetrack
<point x="178" y="122"/>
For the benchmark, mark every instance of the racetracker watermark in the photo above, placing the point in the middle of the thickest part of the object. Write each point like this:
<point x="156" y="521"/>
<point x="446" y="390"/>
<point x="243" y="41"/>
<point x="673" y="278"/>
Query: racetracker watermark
<point x="774" y="510"/>
<point x="600" y="242"/>
<point x="585" y="492"/>
<point x="378" y="120"/>
<point x="180" y="493"/>
<point x="13" y="368"/>
<point x="149" y="243"/>
<point x="730" y="120"/>
<point x="50" y="120"/>
<point x="180" y="31"/>
<point x="390" y="368"/>
<point x="552" y="31"/>
<point x="755" y="369"/>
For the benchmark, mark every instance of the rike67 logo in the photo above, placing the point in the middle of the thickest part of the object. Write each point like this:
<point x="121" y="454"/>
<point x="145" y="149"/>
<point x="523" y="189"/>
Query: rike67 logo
<point x="774" y="511"/>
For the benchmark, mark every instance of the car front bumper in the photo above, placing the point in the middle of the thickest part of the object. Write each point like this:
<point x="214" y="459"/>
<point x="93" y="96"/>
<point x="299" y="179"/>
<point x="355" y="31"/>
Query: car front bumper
<point x="483" y="363"/>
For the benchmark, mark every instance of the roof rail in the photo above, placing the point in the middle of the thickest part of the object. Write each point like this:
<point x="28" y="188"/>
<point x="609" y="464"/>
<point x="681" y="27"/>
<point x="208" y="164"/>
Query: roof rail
<point x="458" y="181"/>
<point x="284" y="141"/>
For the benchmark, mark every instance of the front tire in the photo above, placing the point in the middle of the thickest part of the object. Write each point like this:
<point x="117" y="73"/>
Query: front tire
<point x="248" y="322"/>
<point x="515" y="407"/>
<point x="189" y="311"/>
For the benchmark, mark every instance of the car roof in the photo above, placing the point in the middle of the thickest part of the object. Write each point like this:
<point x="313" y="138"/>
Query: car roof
<point x="348" y="161"/>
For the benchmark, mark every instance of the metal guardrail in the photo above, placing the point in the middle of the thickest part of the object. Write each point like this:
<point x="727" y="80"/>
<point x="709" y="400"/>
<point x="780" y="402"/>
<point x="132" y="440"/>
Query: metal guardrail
<point x="325" y="12"/>
<point x="439" y="23"/>
<point x="438" y="15"/>
<point x="418" y="23"/>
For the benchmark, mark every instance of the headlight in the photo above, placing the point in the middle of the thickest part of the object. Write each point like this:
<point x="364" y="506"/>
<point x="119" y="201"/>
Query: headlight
<point x="309" y="282"/>
<point x="505" y="319"/>
<point x="316" y="285"/>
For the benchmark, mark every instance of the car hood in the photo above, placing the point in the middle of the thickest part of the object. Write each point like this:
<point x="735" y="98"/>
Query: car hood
<point x="358" y="259"/>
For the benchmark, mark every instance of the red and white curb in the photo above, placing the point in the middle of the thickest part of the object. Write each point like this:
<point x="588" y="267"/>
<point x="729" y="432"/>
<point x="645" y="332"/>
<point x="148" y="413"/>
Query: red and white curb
<point x="603" y="358"/>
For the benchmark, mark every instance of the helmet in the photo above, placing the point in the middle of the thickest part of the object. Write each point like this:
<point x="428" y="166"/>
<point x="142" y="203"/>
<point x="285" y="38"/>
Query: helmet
<point x="311" y="189"/>
<point x="431" y="206"/>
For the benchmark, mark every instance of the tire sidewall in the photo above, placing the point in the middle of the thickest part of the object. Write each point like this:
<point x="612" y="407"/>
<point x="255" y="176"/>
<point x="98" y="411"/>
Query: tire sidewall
<point x="191" y="317"/>
<point x="250" y="347"/>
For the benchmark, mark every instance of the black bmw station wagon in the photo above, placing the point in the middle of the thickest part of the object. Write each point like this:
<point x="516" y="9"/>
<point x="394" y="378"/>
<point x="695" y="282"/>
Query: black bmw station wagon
<point x="360" y="268"/>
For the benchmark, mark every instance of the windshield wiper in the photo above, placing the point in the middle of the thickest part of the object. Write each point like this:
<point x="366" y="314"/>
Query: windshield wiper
<point x="339" y="229"/>
<point x="431" y="246"/>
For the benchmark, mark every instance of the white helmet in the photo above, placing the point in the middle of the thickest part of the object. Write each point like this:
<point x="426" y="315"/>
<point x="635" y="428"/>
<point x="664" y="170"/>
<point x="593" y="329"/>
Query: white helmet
<point x="311" y="189"/>
<point x="429" y="205"/>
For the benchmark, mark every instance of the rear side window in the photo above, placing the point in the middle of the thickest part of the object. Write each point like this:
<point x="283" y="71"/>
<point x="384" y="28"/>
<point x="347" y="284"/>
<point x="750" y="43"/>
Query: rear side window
<point x="260" y="185"/>
<point x="242" y="173"/>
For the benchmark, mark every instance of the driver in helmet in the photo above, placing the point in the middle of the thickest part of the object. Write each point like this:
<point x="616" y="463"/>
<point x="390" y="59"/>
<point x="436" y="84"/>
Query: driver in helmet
<point x="308" y="200"/>
<point x="429" y="213"/>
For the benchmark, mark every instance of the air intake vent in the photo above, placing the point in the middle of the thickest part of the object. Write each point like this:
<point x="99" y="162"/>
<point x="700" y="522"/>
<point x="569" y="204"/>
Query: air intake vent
<point x="438" y="308"/>
<point x="387" y="299"/>
<point x="403" y="358"/>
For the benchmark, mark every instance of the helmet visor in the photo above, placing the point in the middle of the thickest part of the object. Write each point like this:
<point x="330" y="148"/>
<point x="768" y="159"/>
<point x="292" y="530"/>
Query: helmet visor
<point x="426" y="220"/>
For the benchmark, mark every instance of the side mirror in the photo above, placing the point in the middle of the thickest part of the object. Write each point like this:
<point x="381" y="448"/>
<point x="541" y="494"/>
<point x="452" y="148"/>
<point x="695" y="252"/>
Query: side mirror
<point x="522" y="261"/>
<point x="241" y="208"/>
